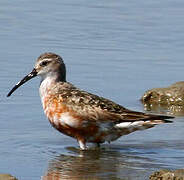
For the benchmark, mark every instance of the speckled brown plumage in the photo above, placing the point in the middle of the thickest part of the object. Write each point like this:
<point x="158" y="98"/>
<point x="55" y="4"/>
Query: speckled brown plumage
<point x="80" y="114"/>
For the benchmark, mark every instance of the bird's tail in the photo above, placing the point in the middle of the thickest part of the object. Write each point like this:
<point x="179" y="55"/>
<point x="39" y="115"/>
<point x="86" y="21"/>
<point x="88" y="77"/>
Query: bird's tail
<point x="129" y="127"/>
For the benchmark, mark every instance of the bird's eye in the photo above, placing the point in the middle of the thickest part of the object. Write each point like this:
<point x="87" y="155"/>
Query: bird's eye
<point x="44" y="63"/>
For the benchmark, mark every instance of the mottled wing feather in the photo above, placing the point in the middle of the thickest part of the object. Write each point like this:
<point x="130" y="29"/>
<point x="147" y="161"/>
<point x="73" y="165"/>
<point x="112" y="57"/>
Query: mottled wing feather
<point x="92" y="107"/>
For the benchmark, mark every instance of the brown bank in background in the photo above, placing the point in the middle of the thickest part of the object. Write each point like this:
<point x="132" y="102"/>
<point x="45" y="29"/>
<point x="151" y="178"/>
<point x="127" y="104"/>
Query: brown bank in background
<point x="165" y="99"/>
<point x="168" y="175"/>
<point x="7" y="177"/>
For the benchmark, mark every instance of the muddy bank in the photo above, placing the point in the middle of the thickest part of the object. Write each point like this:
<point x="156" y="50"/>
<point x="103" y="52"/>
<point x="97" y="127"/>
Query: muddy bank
<point x="7" y="177"/>
<point x="172" y="95"/>
<point x="168" y="100"/>
<point x="168" y="175"/>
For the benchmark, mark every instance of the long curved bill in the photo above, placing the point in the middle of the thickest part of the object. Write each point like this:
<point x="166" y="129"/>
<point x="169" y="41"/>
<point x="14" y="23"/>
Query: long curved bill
<point x="31" y="75"/>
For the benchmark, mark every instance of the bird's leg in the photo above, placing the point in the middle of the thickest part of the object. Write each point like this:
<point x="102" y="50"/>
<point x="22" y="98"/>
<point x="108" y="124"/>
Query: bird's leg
<point x="82" y="144"/>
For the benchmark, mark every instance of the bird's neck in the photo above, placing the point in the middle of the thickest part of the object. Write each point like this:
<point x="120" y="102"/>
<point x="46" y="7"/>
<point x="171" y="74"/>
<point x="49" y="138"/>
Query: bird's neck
<point x="48" y="82"/>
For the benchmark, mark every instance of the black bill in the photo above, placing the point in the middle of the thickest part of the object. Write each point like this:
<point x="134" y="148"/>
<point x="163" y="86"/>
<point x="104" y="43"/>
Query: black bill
<point x="31" y="75"/>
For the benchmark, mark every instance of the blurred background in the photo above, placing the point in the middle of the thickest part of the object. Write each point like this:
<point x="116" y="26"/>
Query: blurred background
<point x="116" y="49"/>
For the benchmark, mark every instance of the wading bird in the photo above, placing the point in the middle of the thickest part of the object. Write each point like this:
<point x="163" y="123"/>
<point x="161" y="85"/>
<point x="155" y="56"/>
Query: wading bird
<point x="79" y="114"/>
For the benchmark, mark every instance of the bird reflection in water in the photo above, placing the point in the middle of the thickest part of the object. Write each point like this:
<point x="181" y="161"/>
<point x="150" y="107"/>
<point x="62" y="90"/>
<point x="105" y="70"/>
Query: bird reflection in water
<point x="114" y="163"/>
<point x="92" y="164"/>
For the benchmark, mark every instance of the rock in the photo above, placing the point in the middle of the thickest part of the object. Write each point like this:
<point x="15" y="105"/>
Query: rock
<point x="165" y="99"/>
<point x="168" y="175"/>
<point x="7" y="177"/>
<point x="172" y="95"/>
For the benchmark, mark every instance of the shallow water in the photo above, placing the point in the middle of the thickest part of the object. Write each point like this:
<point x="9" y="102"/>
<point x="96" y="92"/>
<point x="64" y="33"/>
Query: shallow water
<point x="116" y="49"/>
